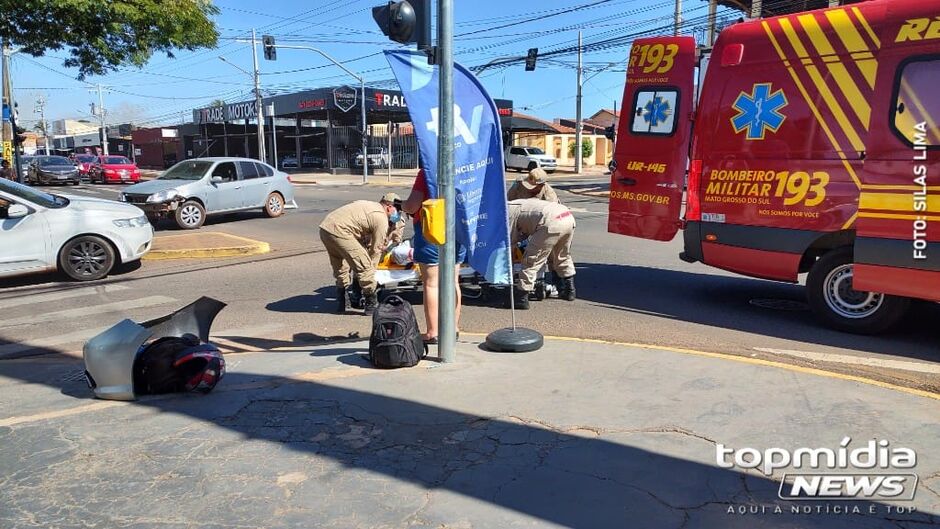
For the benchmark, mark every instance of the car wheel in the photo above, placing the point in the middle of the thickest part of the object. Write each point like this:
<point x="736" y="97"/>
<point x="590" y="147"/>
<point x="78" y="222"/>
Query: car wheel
<point x="190" y="215"/>
<point x="274" y="205"/>
<point x="86" y="258"/>
<point x="833" y="300"/>
<point x="532" y="165"/>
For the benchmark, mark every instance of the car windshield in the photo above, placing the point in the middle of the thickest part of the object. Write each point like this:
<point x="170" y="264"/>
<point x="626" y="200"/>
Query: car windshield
<point x="188" y="170"/>
<point x="116" y="160"/>
<point x="535" y="150"/>
<point x="84" y="158"/>
<point x="32" y="195"/>
<point x="48" y="161"/>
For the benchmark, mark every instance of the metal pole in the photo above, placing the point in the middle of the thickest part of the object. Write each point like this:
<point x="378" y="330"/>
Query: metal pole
<point x="7" y="123"/>
<point x="104" y="132"/>
<point x="389" y="152"/>
<point x="365" y="139"/>
<point x="259" y="108"/>
<point x="578" y="162"/>
<point x="712" y="9"/>
<point x="678" y="17"/>
<point x="445" y="181"/>
<point x="273" y="135"/>
<point x="756" y="8"/>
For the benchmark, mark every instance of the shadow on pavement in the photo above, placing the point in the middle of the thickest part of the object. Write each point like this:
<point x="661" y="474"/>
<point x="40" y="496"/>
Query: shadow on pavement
<point x="378" y="457"/>
<point x="722" y="301"/>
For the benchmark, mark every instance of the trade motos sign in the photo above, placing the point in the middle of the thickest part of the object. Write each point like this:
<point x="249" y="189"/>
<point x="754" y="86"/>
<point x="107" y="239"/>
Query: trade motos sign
<point x="231" y="112"/>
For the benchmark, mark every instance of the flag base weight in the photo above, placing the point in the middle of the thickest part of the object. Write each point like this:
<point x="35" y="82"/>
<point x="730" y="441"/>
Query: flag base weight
<point x="518" y="340"/>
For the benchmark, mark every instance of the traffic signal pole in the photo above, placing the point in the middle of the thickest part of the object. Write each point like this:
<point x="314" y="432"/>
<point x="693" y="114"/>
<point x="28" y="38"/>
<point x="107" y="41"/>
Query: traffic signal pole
<point x="447" y="337"/>
<point x="104" y="130"/>
<point x="259" y="112"/>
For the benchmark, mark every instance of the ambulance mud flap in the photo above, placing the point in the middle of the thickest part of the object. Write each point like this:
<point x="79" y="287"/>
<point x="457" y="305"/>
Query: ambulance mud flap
<point x="109" y="357"/>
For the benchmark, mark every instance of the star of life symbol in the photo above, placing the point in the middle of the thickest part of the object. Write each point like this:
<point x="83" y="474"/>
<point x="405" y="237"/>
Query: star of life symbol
<point x="759" y="111"/>
<point x="656" y="111"/>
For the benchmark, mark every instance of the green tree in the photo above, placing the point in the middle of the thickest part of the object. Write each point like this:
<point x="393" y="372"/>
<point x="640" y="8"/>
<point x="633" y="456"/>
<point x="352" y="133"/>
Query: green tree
<point x="101" y="35"/>
<point x="217" y="103"/>
<point x="587" y="148"/>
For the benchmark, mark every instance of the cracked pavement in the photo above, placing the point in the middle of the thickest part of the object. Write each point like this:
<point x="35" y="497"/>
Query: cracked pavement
<point x="574" y="435"/>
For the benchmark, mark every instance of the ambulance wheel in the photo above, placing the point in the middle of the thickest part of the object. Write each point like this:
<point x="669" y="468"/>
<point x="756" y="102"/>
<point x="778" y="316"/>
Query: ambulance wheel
<point x="833" y="300"/>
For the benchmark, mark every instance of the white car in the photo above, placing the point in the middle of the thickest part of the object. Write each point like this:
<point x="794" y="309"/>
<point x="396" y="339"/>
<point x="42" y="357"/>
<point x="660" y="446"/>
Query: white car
<point x="528" y="158"/>
<point x="378" y="157"/>
<point x="82" y="237"/>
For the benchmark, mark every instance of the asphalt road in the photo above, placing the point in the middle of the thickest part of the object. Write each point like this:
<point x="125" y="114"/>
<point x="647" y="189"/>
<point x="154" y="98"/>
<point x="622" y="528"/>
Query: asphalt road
<point x="629" y="291"/>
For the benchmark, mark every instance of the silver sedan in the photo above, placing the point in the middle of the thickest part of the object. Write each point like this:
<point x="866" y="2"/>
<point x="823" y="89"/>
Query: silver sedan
<point x="193" y="189"/>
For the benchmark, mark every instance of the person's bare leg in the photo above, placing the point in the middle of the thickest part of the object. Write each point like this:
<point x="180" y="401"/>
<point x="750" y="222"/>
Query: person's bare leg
<point x="429" y="278"/>
<point x="457" y="298"/>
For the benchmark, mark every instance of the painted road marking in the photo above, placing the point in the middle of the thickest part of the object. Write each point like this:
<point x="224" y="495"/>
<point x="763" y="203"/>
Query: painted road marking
<point x="118" y="306"/>
<point x="56" y="296"/>
<point x="902" y="365"/>
<point x="51" y="341"/>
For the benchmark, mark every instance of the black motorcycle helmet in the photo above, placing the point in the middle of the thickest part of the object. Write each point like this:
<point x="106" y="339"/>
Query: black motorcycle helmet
<point x="173" y="364"/>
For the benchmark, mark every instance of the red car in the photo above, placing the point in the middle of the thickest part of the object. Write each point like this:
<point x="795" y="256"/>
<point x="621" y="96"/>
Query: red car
<point x="108" y="169"/>
<point x="84" y="162"/>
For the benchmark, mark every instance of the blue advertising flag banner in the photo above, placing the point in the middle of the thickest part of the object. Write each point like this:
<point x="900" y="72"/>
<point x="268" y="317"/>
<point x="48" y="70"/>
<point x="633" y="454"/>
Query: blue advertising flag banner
<point x="482" y="224"/>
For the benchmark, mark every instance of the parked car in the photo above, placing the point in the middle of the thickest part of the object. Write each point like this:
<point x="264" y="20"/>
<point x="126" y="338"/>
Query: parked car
<point x="83" y="162"/>
<point x="404" y="160"/>
<point x="527" y="158"/>
<point x="80" y="236"/>
<point x="45" y="170"/>
<point x="111" y="169"/>
<point x="25" y="162"/>
<point x="378" y="157"/>
<point x="193" y="189"/>
<point x="314" y="160"/>
<point x="289" y="161"/>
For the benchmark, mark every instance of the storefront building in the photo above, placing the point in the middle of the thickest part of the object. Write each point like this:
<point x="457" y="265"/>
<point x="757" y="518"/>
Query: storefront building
<point x="315" y="129"/>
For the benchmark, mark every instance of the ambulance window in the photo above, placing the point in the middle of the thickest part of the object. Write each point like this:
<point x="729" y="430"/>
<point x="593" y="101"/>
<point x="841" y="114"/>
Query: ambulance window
<point x="916" y="110"/>
<point x="654" y="112"/>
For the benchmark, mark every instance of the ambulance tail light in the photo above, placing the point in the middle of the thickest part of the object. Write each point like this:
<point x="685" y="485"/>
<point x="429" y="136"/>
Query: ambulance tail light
<point x="693" y="205"/>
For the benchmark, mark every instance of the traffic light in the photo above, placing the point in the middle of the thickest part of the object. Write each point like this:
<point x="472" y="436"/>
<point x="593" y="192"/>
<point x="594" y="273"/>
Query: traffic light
<point x="406" y="21"/>
<point x="270" y="52"/>
<point x="530" y="59"/>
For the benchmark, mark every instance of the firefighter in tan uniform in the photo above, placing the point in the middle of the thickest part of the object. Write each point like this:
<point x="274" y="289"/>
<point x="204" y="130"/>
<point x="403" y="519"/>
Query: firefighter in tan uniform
<point x="534" y="185"/>
<point x="549" y="227"/>
<point x="355" y="235"/>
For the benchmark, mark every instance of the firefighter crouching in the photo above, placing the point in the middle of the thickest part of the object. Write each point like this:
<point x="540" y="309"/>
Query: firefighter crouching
<point x="355" y="235"/>
<point x="549" y="228"/>
<point x="533" y="185"/>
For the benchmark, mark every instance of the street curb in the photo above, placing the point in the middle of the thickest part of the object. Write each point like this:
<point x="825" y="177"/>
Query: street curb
<point x="747" y="360"/>
<point x="250" y="247"/>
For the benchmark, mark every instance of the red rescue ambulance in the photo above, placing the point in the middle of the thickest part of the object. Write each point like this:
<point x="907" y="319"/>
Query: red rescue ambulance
<point x="815" y="148"/>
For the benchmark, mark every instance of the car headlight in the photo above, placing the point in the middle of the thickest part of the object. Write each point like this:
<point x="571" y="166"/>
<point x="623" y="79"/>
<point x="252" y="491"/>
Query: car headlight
<point x="135" y="222"/>
<point x="163" y="196"/>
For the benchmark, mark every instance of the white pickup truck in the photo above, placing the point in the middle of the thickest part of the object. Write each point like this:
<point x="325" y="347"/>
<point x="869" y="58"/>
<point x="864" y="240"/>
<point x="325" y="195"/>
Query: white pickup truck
<point x="528" y="158"/>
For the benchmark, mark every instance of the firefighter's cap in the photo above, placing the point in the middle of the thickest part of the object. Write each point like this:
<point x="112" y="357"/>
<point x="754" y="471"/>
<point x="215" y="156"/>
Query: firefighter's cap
<point x="536" y="177"/>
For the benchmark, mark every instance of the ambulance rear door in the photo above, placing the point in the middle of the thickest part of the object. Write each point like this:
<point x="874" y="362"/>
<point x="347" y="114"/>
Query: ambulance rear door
<point x="652" y="150"/>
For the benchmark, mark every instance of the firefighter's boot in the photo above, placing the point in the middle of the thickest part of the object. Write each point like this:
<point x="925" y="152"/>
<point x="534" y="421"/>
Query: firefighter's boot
<point x="342" y="300"/>
<point x="521" y="297"/>
<point x="566" y="290"/>
<point x="370" y="303"/>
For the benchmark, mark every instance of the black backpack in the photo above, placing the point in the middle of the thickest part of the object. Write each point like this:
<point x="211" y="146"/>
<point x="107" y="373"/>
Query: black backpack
<point x="395" y="340"/>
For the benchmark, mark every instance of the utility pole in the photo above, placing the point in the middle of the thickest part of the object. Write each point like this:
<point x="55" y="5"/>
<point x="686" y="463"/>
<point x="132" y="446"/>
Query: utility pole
<point x="712" y="11"/>
<point x="447" y="337"/>
<point x="258" y="104"/>
<point x="577" y="126"/>
<point x="678" y="17"/>
<point x="41" y="110"/>
<point x="7" y="107"/>
<point x="101" y="124"/>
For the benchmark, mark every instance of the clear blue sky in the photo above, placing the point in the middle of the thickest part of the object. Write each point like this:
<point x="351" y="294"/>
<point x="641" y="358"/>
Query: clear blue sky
<point x="166" y="90"/>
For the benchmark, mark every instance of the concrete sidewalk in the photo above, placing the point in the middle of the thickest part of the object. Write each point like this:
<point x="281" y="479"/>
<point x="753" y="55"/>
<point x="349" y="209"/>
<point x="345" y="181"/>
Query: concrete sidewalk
<point x="405" y="177"/>
<point x="578" y="434"/>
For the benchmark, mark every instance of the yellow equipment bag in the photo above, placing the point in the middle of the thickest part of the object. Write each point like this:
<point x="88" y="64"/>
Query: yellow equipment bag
<point x="432" y="220"/>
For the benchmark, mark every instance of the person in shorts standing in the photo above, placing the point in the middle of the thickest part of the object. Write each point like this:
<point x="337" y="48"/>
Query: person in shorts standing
<point x="426" y="255"/>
